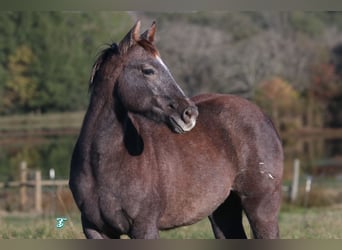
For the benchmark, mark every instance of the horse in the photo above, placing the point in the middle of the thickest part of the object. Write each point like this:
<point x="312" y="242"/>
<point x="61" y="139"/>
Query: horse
<point x="150" y="158"/>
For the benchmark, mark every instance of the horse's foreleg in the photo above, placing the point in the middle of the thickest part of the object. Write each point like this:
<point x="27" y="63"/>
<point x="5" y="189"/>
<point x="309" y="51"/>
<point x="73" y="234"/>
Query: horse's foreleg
<point x="89" y="231"/>
<point x="143" y="232"/>
<point x="92" y="233"/>
<point x="144" y="228"/>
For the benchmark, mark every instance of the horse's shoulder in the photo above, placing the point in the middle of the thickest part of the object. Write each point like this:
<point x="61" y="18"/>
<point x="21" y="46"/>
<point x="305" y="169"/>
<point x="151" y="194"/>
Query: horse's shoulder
<point x="223" y="101"/>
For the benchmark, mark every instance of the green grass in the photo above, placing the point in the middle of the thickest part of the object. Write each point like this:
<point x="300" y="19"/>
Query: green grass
<point x="315" y="223"/>
<point x="294" y="223"/>
<point x="36" y="227"/>
<point x="201" y="230"/>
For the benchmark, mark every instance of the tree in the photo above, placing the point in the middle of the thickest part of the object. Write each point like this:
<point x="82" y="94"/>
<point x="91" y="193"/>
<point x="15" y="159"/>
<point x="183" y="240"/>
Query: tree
<point x="335" y="104"/>
<point x="325" y="88"/>
<point x="20" y="87"/>
<point x="207" y="54"/>
<point x="59" y="49"/>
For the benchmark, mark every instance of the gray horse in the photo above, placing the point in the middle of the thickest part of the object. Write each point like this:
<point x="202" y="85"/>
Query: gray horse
<point x="149" y="158"/>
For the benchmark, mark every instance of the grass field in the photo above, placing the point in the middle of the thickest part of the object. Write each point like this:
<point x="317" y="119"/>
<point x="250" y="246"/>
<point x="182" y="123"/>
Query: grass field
<point x="295" y="223"/>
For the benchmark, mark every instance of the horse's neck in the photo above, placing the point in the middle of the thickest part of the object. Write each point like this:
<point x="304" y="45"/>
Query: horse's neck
<point x="107" y="116"/>
<point x="100" y="114"/>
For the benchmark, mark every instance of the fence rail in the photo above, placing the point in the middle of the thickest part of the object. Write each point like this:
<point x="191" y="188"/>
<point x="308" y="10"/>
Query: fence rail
<point x="33" y="183"/>
<point x="37" y="183"/>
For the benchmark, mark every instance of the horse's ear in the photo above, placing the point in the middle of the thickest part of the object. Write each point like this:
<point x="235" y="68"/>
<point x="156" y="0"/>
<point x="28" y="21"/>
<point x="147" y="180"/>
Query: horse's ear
<point x="131" y="38"/>
<point x="149" y="34"/>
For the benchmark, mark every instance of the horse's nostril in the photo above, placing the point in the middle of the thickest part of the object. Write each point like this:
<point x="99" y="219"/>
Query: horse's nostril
<point x="189" y="114"/>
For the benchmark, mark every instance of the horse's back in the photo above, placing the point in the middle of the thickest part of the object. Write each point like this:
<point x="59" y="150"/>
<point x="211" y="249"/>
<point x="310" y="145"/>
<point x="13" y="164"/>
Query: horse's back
<point x="249" y="136"/>
<point x="236" y="114"/>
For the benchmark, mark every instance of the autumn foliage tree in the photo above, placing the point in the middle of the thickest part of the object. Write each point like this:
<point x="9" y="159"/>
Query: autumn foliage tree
<point x="280" y="101"/>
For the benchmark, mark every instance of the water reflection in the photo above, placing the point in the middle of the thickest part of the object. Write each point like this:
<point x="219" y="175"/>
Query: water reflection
<point x="40" y="152"/>
<point x="312" y="151"/>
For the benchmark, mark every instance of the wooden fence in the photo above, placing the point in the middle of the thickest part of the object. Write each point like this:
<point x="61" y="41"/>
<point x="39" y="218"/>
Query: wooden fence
<point x="37" y="183"/>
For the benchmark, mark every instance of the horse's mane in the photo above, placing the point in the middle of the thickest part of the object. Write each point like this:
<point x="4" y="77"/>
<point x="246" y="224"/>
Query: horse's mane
<point x="103" y="56"/>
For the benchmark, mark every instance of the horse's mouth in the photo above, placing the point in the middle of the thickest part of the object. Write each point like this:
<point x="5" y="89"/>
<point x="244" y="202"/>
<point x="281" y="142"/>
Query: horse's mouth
<point x="179" y="126"/>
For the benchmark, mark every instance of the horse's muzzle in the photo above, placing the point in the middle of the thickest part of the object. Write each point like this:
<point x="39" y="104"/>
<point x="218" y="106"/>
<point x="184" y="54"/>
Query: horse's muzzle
<point x="186" y="121"/>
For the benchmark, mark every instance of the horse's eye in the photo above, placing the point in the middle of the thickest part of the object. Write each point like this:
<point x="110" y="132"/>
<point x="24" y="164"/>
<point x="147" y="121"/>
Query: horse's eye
<point x="148" y="72"/>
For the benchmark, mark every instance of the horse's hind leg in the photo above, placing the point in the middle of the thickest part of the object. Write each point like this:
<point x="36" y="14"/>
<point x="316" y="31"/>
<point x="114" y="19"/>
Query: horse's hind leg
<point x="226" y="220"/>
<point x="262" y="212"/>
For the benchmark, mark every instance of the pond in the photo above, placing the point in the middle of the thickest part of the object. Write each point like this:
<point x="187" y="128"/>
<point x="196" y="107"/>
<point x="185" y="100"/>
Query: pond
<point x="317" y="154"/>
<point x="40" y="152"/>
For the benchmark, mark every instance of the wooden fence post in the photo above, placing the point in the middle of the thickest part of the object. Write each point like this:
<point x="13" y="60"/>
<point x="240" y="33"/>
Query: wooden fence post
<point x="23" y="180"/>
<point x="38" y="191"/>
<point x="295" y="181"/>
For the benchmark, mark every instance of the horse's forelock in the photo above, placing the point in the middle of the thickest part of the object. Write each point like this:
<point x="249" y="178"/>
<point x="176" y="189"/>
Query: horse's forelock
<point x="114" y="49"/>
<point x="148" y="46"/>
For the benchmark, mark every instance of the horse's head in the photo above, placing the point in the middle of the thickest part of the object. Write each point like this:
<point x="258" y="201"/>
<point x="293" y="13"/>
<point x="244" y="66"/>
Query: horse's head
<point x="145" y="86"/>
